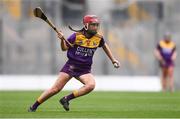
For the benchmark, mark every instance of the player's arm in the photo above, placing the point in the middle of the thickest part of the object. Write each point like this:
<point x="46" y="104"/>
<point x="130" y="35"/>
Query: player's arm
<point x="63" y="44"/>
<point x="109" y="54"/>
<point x="158" y="56"/>
<point x="157" y="53"/>
<point x="174" y="55"/>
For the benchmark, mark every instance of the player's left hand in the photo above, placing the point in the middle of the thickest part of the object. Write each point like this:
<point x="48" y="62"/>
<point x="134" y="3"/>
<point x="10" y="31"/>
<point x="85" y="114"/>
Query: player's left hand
<point x="60" y="35"/>
<point x="116" y="64"/>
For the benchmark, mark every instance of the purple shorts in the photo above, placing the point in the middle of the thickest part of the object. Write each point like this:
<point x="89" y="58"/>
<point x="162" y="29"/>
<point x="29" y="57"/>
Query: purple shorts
<point x="75" y="70"/>
<point x="166" y="64"/>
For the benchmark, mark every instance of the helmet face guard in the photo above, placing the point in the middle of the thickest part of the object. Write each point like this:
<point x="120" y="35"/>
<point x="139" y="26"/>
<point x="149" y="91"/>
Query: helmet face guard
<point x="88" y="20"/>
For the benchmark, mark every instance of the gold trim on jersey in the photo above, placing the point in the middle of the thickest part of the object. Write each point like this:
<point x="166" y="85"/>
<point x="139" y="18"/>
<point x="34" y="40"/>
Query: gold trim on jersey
<point x="163" y="44"/>
<point x="93" y="42"/>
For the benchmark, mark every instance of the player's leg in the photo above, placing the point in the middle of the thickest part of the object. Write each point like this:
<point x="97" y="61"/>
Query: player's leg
<point x="171" y="78"/>
<point x="163" y="78"/>
<point x="58" y="85"/>
<point x="89" y="85"/>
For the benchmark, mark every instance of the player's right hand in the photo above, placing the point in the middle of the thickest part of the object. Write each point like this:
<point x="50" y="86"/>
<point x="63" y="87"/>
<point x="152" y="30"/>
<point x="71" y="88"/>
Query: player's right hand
<point x="162" y="62"/>
<point x="60" y="35"/>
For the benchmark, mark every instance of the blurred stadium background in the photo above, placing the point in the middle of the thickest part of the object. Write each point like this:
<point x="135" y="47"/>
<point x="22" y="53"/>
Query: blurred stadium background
<point x="132" y="28"/>
<point x="30" y="58"/>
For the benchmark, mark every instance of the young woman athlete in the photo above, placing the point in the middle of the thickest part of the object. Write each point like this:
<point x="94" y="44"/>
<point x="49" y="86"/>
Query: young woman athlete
<point x="85" y="42"/>
<point x="166" y="54"/>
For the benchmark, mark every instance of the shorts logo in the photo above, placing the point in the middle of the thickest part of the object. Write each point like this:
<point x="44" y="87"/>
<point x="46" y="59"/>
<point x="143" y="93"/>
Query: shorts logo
<point x="71" y="68"/>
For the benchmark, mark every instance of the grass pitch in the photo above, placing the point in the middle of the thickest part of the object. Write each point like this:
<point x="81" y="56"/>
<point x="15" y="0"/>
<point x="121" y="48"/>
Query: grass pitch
<point x="14" y="104"/>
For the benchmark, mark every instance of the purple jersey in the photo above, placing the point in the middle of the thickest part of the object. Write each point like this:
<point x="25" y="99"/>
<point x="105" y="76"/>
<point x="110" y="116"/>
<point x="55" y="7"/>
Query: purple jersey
<point x="84" y="48"/>
<point x="166" y="50"/>
<point x="80" y="56"/>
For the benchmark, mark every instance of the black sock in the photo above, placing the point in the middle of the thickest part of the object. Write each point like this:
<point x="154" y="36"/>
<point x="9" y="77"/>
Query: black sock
<point x="70" y="97"/>
<point x="35" y="105"/>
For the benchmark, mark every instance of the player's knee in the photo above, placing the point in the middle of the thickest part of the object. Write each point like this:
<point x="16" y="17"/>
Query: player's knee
<point x="90" y="87"/>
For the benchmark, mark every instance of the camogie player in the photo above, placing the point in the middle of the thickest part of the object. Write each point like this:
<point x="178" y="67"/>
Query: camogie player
<point x="166" y="54"/>
<point x="80" y="55"/>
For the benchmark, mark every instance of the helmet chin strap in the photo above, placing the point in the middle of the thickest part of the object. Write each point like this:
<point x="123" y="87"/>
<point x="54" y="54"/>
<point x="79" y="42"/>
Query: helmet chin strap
<point x="86" y="26"/>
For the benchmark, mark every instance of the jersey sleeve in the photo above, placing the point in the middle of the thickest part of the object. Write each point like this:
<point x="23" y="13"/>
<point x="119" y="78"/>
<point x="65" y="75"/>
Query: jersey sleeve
<point x="102" y="42"/>
<point x="71" y="39"/>
<point x="174" y="49"/>
<point x="158" y="47"/>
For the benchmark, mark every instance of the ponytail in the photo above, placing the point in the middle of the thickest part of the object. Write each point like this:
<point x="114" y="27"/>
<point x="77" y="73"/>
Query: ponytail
<point x="76" y="30"/>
